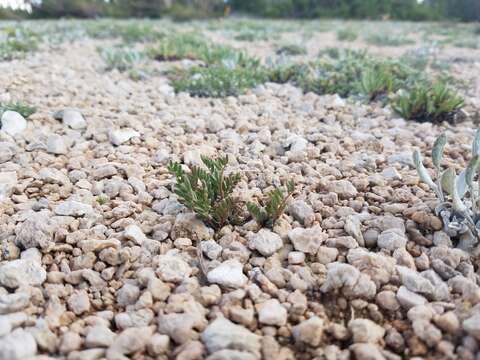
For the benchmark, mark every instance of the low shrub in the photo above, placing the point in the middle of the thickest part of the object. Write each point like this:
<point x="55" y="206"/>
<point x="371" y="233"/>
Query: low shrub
<point x="218" y="80"/>
<point x="291" y="50"/>
<point x="271" y="208"/>
<point x="208" y="192"/>
<point x="384" y="39"/>
<point x="428" y="102"/>
<point x="16" y="42"/>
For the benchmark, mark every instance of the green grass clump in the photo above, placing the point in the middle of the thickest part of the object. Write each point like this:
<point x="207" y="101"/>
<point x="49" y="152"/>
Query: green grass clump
<point x="347" y="35"/>
<point x="377" y="82"/>
<point x="270" y="210"/>
<point x="16" y="42"/>
<point x="22" y="108"/>
<point x="467" y="42"/>
<point x="251" y="36"/>
<point x="208" y="192"/>
<point x="291" y="50"/>
<point x="218" y="80"/>
<point x="383" y="39"/>
<point x="121" y="59"/>
<point x="289" y="72"/>
<point x="428" y="102"/>
<point x="355" y="73"/>
<point x="124" y="60"/>
<point x="178" y="47"/>
<point x="138" y="32"/>
<point x="337" y="75"/>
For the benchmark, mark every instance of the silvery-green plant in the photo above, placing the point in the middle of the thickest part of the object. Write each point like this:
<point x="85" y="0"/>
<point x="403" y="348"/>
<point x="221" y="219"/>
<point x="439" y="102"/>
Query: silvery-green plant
<point x="458" y="195"/>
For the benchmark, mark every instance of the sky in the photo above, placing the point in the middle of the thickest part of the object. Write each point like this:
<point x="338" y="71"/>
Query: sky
<point x="15" y="4"/>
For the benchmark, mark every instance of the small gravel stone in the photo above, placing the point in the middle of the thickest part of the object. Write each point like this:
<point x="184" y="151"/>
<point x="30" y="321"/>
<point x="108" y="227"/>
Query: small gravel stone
<point x="271" y="312"/>
<point x="391" y="240"/>
<point x="72" y="118"/>
<point x="18" y="345"/>
<point x="119" y="137"/>
<point x="99" y="336"/>
<point x="171" y="268"/>
<point x="343" y="188"/>
<point x="229" y="274"/>
<point x="302" y="212"/>
<point x="73" y="208"/>
<point x="472" y="326"/>
<point x="13" y="123"/>
<point x="223" y="334"/>
<point x="127" y="295"/>
<point x="309" y="331"/>
<point x="307" y="240"/>
<point x="266" y="242"/>
<point x="79" y="302"/>
<point x="20" y="272"/>
<point x="365" y="331"/>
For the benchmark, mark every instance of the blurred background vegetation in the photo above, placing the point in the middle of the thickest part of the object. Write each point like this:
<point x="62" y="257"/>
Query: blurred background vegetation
<point x="415" y="10"/>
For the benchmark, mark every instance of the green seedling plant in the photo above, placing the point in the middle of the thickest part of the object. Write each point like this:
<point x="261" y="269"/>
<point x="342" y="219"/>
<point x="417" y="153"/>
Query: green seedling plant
<point x="376" y="83"/>
<point x="22" y="108"/>
<point x="208" y="192"/>
<point x="458" y="195"/>
<point x="428" y="102"/>
<point x="272" y="208"/>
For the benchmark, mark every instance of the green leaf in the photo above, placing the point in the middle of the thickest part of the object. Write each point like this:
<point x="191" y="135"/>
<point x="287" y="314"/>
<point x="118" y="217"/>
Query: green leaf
<point x="476" y="143"/>
<point x="438" y="148"/>
<point x="422" y="172"/>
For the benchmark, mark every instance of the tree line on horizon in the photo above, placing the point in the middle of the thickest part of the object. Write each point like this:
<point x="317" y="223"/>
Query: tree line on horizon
<point x="460" y="10"/>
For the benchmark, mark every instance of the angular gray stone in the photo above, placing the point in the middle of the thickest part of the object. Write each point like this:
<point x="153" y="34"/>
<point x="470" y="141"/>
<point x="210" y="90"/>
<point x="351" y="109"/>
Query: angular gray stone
<point x="7" y="151"/>
<point x="271" y="312"/>
<point x="343" y="188"/>
<point x="20" y="272"/>
<point x="229" y="274"/>
<point x="307" y="240"/>
<point x="414" y="281"/>
<point x="302" y="212"/>
<point x="36" y="231"/>
<point x="365" y="331"/>
<point x="73" y="208"/>
<point x="391" y="240"/>
<point x="118" y="137"/>
<point x="18" y="345"/>
<point x="309" y="331"/>
<point x="172" y="268"/>
<point x="409" y="299"/>
<point x="224" y="334"/>
<point x="265" y="242"/>
<point x="73" y="119"/>
<point x="472" y="326"/>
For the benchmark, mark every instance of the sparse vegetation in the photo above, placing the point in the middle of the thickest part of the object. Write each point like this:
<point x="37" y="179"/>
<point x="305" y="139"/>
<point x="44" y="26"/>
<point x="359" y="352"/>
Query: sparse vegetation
<point x="377" y="82"/>
<point x="22" y="108"/>
<point x="347" y="34"/>
<point x="271" y="208"/>
<point x="291" y="50"/>
<point x="121" y="59"/>
<point x="208" y="192"/>
<point x="15" y="42"/>
<point x="385" y="39"/>
<point x="218" y="80"/>
<point x="428" y="102"/>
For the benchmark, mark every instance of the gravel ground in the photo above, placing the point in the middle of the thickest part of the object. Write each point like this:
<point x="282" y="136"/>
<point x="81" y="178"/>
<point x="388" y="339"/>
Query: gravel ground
<point x="99" y="259"/>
